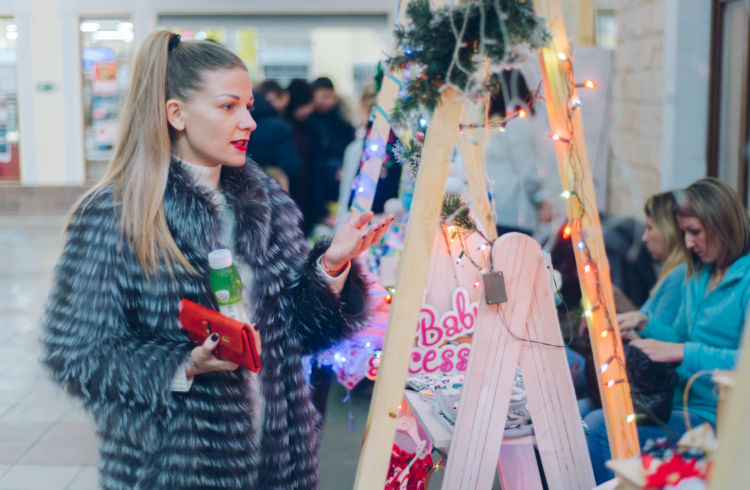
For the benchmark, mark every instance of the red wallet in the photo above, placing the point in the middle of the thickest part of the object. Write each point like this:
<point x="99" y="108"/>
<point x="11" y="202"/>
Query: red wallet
<point x="238" y="342"/>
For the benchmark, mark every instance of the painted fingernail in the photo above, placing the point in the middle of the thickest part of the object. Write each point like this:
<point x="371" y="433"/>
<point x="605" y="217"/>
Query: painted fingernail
<point x="215" y="337"/>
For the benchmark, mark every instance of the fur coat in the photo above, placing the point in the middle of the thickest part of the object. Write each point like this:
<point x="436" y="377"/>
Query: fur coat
<point x="112" y="339"/>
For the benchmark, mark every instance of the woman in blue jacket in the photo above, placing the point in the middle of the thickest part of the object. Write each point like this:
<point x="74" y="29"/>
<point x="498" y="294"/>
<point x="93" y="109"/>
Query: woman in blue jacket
<point x="664" y="244"/>
<point x="708" y="328"/>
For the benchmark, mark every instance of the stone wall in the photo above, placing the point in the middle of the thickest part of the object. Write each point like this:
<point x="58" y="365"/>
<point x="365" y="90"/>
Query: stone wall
<point x="637" y="105"/>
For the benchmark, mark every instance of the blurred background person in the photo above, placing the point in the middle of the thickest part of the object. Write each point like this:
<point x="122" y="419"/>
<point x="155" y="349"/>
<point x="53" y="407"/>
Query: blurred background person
<point x="273" y="146"/>
<point x="335" y="134"/>
<point x="664" y="243"/>
<point x="515" y="160"/>
<point x="275" y="94"/>
<point x="307" y="190"/>
<point x="354" y="151"/>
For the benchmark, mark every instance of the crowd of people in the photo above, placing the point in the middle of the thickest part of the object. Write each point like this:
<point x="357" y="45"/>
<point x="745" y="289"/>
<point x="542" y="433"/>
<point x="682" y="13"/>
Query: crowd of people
<point x="301" y="139"/>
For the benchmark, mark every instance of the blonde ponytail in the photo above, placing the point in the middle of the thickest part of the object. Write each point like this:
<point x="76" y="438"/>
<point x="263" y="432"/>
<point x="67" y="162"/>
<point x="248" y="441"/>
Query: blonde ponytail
<point x="140" y="167"/>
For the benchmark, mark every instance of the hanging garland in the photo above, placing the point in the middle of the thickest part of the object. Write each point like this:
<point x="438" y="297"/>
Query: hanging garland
<point x="456" y="212"/>
<point x="445" y="47"/>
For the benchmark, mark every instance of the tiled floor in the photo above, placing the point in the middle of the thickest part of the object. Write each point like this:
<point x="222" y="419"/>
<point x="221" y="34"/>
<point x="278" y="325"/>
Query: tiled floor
<point x="46" y="441"/>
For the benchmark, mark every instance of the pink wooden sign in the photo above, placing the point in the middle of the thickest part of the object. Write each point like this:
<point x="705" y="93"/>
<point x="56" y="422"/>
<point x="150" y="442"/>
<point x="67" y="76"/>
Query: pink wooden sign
<point x="432" y="352"/>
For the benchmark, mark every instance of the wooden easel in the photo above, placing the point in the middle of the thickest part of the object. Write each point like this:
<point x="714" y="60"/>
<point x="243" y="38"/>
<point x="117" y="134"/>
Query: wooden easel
<point x="440" y="140"/>
<point x="529" y="314"/>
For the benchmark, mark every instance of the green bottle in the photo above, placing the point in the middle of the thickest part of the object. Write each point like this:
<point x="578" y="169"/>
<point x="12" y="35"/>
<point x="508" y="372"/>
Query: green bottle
<point x="226" y="284"/>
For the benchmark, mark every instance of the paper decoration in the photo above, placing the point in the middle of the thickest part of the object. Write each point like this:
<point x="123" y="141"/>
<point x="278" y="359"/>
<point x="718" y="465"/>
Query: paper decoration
<point x="433" y="353"/>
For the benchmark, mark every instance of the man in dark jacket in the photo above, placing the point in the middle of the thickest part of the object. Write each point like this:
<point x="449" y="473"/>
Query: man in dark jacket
<point x="272" y="145"/>
<point x="335" y="133"/>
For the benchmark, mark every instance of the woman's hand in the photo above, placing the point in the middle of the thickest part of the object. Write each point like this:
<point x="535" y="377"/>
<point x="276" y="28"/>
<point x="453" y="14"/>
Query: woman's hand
<point x="659" y="351"/>
<point x="353" y="239"/>
<point x="631" y="321"/>
<point x="205" y="361"/>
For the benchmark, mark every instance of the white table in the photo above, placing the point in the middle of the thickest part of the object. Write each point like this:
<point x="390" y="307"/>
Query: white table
<point x="516" y="466"/>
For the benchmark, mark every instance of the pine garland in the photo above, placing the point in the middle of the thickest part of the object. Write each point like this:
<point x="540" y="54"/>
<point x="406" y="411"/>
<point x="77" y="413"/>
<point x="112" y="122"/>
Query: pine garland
<point x="455" y="207"/>
<point x="501" y="31"/>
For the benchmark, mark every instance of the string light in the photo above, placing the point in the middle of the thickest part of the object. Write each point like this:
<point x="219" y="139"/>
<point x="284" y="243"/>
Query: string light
<point x="613" y="382"/>
<point x="460" y="257"/>
<point x="567" y="193"/>
<point x="522" y="113"/>
<point x="481" y="247"/>
<point x="575" y="103"/>
<point x="567" y="231"/>
<point x="605" y="365"/>
<point x="587" y="267"/>
<point x="590" y="311"/>
<point x="562" y="56"/>
<point x="581" y="245"/>
<point x="557" y="137"/>
<point x="630" y="418"/>
<point x="476" y="284"/>
<point x="587" y="84"/>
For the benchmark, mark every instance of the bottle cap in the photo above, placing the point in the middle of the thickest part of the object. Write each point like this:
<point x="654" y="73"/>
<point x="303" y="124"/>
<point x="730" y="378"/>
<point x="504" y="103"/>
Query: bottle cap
<point x="220" y="258"/>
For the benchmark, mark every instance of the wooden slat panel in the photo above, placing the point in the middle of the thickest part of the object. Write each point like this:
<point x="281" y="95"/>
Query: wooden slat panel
<point x="575" y="174"/>
<point x="415" y="260"/>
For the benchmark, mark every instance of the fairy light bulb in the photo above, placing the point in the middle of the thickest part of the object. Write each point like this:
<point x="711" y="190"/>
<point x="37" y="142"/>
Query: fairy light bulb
<point x="567" y="231"/>
<point x="562" y="56"/>
<point x="557" y="137"/>
<point x="587" y="268"/>
<point x="606" y="364"/>
<point x="590" y="84"/>
<point x="476" y="283"/>
<point x="630" y="418"/>
<point x="613" y="382"/>
<point x="581" y="245"/>
<point x="604" y="334"/>
<point x="522" y="113"/>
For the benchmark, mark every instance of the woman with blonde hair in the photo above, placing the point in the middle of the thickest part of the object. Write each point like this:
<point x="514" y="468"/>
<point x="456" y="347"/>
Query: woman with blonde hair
<point x="664" y="243"/>
<point x="177" y="188"/>
<point x="708" y="328"/>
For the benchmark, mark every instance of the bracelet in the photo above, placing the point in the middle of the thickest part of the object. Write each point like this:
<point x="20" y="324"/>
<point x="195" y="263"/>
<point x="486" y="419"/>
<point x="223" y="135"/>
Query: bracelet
<point x="329" y="271"/>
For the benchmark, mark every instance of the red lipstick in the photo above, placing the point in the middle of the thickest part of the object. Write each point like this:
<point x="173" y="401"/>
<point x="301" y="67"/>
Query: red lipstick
<point x="240" y="144"/>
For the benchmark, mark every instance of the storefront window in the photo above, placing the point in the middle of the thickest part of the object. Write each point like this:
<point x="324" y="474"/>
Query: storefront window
<point x="278" y="47"/>
<point x="106" y="53"/>
<point x="606" y="29"/>
<point x="9" y="135"/>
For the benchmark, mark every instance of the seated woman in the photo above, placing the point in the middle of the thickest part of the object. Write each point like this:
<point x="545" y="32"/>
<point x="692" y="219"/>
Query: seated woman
<point x="707" y="330"/>
<point x="663" y="241"/>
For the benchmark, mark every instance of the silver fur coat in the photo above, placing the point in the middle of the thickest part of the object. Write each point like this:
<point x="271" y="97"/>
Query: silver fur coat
<point x="112" y="339"/>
